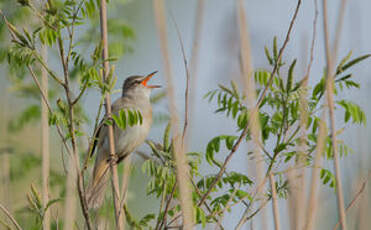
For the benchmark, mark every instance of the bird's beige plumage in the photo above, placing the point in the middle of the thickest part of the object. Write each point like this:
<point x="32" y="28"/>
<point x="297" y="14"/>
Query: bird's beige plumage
<point x="135" y="95"/>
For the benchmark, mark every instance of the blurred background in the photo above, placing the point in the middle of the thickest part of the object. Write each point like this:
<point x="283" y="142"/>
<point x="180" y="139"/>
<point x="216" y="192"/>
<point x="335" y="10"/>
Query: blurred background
<point x="217" y="63"/>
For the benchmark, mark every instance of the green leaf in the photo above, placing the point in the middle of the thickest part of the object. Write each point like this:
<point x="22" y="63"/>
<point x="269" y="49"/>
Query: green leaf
<point x="342" y="62"/>
<point x="275" y="50"/>
<point x="266" y="51"/>
<point x="51" y="202"/>
<point x="167" y="137"/>
<point x="352" y="62"/>
<point x="290" y="76"/>
<point x="354" y="111"/>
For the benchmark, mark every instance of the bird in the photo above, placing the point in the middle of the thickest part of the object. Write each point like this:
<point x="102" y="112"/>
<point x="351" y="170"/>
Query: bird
<point x="135" y="96"/>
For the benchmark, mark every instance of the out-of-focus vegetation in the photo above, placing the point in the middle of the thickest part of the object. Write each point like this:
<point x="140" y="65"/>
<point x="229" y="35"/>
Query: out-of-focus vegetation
<point x="70" y="30"/>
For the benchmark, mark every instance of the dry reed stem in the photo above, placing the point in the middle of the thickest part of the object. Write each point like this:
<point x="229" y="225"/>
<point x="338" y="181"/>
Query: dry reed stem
<point x="313" y="195"/>
<point x="73" y="139"/>
<point x="70" y="200"/>
<point x="180" y="158"/>
<point x="11" y="218"/>
<point x="45" y="142"/>
<point x="276" y="213"/>
<point x="249" y="89"/>
<point x="330" y="62"/>
<point x="5" y="157"/>
<point x="194" y="60"/>
<point x="113" y="157"/>
<point x="300" y="194"/>
<point x="293" y="199"/>
<point x="124" y="186"/>
<point x="254" y="110"/>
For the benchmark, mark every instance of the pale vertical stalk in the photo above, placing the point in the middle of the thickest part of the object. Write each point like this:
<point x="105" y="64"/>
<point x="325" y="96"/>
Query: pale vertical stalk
<point x="193" y="64"/>
<point x="113" y="157"/>
<point x="124" y="186"/>
<point x="4" y="157"/>
<point x="313" y="197"/>
<point x="276" y="213"/>
<point x="70" y="203"/>
<point x="292" y="199"/>
<point x="249" y="89"/>
<point x="180" y="158"/>
<point x="301" y="185"/>
<point x="330" y="61"/>
<point x="45" y="141"/>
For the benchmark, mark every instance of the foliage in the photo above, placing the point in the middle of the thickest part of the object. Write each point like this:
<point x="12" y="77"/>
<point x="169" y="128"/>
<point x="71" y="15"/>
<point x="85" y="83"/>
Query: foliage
<point x="279" y="119"/>
<point x="213" y="194"/>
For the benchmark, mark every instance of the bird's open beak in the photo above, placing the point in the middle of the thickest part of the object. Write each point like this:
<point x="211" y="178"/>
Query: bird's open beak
<point x="147" y="78"/>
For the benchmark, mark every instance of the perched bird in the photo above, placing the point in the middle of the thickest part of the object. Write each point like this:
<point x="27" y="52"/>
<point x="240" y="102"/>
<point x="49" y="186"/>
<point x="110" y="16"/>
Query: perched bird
<point x="136" y="96"/>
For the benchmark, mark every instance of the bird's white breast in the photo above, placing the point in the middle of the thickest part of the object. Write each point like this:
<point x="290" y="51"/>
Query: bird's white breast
<point x="129" y="139"/>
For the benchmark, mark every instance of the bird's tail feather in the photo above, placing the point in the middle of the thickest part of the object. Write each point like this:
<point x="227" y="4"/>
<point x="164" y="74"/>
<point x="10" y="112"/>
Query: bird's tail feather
<point x="96" y="190"/>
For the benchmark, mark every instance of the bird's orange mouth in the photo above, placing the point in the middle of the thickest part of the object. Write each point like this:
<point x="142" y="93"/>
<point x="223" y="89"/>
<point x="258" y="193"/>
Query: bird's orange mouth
<point x="147" y="78"/>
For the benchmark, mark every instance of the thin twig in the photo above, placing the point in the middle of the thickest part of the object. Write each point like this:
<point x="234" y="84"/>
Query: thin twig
<point x="356" y="197"/>
<point x="12" y="219"/>
<point x="314" y="35"/>
<point x="330" y="61"/>
<point x="280" y="54"/>
<point x="75" y="156"/>
<point x="245" y="131"/>
<point x="44" y="97"/>
<point x="186" y="94"/>
<point x="247" y="218"/>
<point x="113" y="161"/>
<point x="218" y="221"/>
<point x="167" y="206"/>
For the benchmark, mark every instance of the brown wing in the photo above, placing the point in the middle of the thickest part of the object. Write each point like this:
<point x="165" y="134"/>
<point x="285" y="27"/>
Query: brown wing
<point x="98" y="135"/>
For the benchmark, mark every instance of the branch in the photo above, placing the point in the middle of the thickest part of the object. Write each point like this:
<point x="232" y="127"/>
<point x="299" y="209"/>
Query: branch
<point x="280" y="53"/>
<point x="245" y="131"/>
<point x="359" y="193"/>
<point x="50" y="72"/>
<point x="330" y="61"/>
<point x="82" y="91"/>
<point x="182" y="167"/>
<point x="113" y="156"/>
<point x="186" y="94"/>
<point x="167" y="206"/>
<point x="244" y="219"/>
<point x="7" y="213"/>
<point x="59" y="130"/>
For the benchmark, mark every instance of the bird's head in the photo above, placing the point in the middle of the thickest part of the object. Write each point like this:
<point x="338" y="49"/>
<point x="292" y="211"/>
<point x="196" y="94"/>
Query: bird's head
<point x="137" y="85"/>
